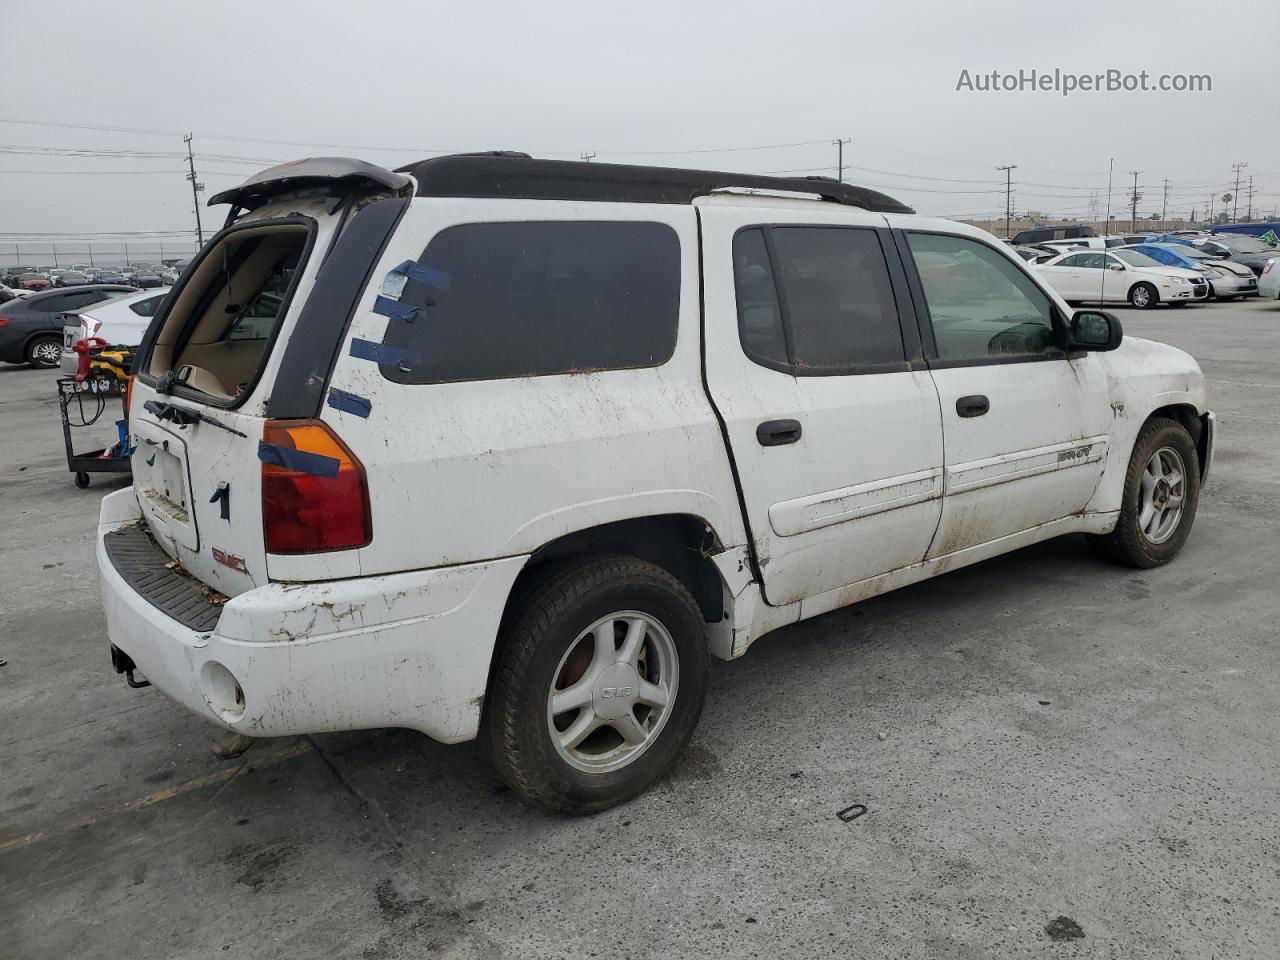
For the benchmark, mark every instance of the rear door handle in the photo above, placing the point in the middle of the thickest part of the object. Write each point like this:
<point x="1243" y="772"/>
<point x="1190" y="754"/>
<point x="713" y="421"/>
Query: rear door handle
<point x="973" y="406"/>
<point x="775" y="433"/>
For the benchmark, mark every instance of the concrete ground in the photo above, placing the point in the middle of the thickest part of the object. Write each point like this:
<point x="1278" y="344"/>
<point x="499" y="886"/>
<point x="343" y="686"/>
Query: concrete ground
<point x="1045" y="743"/>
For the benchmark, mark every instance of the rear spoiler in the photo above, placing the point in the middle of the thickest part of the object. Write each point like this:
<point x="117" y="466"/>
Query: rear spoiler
<point x="259" y="188"/>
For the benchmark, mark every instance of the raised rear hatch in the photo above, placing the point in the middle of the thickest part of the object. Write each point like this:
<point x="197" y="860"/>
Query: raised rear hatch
<point x="211" y="361"/>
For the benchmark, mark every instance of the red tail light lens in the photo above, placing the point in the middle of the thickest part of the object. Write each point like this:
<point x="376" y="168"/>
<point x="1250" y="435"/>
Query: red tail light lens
<point x="316" y="497"/>
<point x="3" y="321"/>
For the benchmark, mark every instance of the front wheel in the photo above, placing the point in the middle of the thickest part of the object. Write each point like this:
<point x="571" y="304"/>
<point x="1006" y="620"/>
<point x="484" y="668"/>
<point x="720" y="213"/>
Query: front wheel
<point x="1143" y="296"/>
<point x="1161" y="494"/>
<point x="598" y="684"/>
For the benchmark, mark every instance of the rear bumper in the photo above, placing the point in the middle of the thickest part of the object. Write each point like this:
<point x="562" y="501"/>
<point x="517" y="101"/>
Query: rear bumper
<point x="404" y="650"/>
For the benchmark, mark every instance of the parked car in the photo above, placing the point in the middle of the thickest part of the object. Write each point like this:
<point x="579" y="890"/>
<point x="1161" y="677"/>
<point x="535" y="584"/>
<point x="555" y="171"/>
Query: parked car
<point x="1121" y="275"/>
<point x="73" y="278"/>
<point x="529" y="445"/>
<point x="1250" y="251"/>
<point x="1267" y="230"/>
<point x="1041" y="234"/>
<point x="1227" y="280"/>
<point x="1036" y="254"/>
<point x="172" y="272"/>
<point x="8" y="293"/>
<point x="1269" y="282"/>
<point x="121" y="322"/>
<point x="33" y="281"/>
<point x="109" y="276"/>
<point x="30" y="331"/>
<point x="145" y="277"/>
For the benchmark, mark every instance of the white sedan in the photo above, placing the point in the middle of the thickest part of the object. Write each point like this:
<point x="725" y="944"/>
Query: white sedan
<point x="1122" y="275"/>
<point x="121" y="322"/>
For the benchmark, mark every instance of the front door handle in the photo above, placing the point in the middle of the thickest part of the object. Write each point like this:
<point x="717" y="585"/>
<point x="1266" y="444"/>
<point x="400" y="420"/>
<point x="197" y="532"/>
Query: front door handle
<point x="775" y="433"/>
<point x="973" y="406"/>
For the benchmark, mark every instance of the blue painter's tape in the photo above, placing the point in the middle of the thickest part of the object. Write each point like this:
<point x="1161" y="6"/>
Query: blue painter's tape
<point x="382" y="353"/>
<point x="349" y="402"/>
<point x="395" y="309"/>
<point x="424" y="274"/>
<point x="291" y="459"/>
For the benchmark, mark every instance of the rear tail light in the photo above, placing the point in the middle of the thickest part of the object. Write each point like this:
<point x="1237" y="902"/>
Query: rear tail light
<point x="314" y="493"/>
<point x="3" y="321"/>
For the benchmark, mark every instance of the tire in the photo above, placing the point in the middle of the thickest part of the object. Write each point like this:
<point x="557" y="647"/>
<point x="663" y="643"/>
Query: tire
<point x="44" y="351"/>
<point x="1136" y="540"/>
<point x="1143" y="296"/>
<point x="565" y="627"/>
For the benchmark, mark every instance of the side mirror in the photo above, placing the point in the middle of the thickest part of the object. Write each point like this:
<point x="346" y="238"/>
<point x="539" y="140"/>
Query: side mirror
<point x="1115" y="266"/>
<point x="1094" y="330"/>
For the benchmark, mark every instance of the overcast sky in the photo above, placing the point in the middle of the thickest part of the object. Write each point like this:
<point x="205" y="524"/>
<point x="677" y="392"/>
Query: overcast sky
<point x="636" y="82"/>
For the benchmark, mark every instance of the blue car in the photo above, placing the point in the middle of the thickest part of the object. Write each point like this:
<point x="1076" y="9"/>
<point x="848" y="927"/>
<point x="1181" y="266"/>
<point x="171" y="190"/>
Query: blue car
<point x="1226" y="279"/>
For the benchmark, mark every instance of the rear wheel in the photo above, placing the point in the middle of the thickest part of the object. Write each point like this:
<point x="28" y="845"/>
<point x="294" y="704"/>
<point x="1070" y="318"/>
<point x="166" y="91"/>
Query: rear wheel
<point x="598" y="685"/>
<point x="1161" y="494"/>
<point x="44" y="351"/>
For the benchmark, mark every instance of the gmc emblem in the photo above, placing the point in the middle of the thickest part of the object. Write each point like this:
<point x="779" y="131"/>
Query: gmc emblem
<point x="230" y="560"/>
<point x="610" y="692"/>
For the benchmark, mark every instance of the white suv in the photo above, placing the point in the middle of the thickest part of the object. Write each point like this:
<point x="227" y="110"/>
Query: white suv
<point x="505" y="448"/>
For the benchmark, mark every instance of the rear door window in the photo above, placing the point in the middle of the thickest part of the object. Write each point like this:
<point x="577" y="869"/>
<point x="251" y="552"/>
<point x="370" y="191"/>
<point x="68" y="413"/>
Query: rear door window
<point x="531" y="299"/>
<point x="816" y="300"/>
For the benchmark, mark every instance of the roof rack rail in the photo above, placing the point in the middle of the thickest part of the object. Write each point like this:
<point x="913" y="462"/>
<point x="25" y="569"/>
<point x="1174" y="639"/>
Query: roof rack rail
<point x="513" y="175"/>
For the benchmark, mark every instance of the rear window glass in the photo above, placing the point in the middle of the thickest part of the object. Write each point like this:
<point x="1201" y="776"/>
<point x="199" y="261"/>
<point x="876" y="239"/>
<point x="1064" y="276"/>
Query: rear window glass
<point x="532" y="299"/>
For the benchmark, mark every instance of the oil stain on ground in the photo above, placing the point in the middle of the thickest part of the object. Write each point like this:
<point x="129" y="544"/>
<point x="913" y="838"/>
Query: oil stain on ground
<point x="1063" y="928"/>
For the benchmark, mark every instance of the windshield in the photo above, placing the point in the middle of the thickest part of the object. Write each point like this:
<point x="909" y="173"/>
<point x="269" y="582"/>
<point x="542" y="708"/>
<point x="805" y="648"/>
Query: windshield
<point x="1135" y="259"/>
<point x="1193" y="253"/>
<point x="1241" y="244"/>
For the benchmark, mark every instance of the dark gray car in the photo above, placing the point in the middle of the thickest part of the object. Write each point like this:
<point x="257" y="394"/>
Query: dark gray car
<point x="1250" y="251"/>
<point x="30" y="331"/>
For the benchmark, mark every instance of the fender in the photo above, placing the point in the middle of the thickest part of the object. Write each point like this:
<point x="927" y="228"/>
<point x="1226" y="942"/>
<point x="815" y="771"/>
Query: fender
<point x="1142" y="377"/>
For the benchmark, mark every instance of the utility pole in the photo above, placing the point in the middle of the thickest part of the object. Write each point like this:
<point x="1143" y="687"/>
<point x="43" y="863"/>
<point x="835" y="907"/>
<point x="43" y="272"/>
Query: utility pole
<point x="91" y="263"/>
<point x="1210" y="209"/>
<point x="55" y="255"/>
<point x="1133" y="202"/>
<point x="1248" y="217"/>
<point x="588" y="157"/>
<point x="1164" y="207"/>
<point x="1235" y="194"/>
<point x="839" y="144"/>
<point x="1008" y="195"/>
<point x="196" y="187"/>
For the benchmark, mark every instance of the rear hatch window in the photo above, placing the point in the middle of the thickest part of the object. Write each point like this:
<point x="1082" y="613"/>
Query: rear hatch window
<point x="218" y="332"/>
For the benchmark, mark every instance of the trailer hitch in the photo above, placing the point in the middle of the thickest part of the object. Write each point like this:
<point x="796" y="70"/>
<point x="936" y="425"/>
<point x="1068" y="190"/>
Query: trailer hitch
<point x="123" y="663"/>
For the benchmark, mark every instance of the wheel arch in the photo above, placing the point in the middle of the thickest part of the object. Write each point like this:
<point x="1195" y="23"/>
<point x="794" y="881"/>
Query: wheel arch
<point x="1194" y="423"/>
<point x="680" y="543"/>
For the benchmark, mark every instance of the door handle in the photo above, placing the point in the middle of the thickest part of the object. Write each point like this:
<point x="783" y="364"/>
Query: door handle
<point x="775" y="433"/>
<point x="973" y="406"/>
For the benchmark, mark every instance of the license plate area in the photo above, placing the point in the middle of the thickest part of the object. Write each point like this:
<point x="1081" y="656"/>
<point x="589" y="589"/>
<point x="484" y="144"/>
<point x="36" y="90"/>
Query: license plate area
<point x="163" y="483"/>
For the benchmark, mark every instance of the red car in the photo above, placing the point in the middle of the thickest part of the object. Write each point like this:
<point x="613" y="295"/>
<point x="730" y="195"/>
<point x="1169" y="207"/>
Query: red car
<point x="33" y="281"/>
